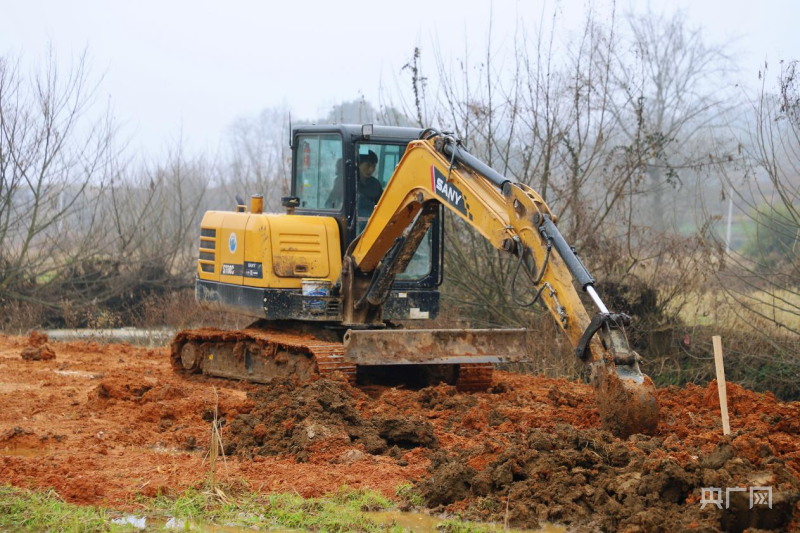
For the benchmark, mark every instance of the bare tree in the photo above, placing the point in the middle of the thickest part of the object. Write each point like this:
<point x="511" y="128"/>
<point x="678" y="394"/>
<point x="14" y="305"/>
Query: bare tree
<point x="763" y="278"/>
<point x="54" y="148"/>
<point x="670" y="85"/>
<point x="85" y="232"/>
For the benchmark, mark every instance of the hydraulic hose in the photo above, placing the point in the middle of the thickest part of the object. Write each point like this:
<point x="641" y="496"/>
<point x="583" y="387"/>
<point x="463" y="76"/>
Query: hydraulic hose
<point x="574" y="264"/>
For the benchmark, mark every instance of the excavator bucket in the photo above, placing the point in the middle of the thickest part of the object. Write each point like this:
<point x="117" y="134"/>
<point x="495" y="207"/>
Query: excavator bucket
<point x="626" y="400"/>
<point x="435" y="346"/>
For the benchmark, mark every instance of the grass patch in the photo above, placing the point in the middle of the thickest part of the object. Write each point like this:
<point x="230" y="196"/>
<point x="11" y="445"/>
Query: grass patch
<point x="342" y="511"/>
<point x="46" y="511"/>
<point x="407" y="494"/>
<point x="455" y="526"/>
<point x="346" y="510"/>
<point x="717" y="309"/>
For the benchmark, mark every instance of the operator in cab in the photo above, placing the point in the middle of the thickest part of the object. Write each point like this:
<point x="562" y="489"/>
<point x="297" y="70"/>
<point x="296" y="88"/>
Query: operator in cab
<point x="369" y="188"/>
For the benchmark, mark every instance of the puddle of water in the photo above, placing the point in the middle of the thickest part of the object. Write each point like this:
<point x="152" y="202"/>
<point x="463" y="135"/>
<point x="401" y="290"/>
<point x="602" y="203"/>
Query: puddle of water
<point x="419" y="522"/>
<point x="414" y="522"/>
<point x="178" y="524"/>
<point x="410" y="521"/>
<point x="139" y="522"/>
<point x="24" y="452"/>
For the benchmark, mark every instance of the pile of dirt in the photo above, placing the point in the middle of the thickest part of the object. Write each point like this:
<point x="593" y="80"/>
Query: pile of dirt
<point x="549" y="471"/>
<point x="38" y="348"/>
<point x="290" y="417"/>
<point x="593" y="481"/>
<point x="530" y="451"/>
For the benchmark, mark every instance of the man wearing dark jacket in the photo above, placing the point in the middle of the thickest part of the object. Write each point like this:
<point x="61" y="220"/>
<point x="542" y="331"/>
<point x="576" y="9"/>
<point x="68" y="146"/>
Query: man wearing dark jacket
<point x="369" y="188"/>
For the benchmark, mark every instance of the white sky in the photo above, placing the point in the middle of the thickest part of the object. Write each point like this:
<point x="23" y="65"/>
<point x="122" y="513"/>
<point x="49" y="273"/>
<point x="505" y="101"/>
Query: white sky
<point x="194" y="66"/>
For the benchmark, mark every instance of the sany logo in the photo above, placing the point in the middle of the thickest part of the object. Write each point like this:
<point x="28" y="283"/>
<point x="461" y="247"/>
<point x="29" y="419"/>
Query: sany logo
<point x="232" y="242"/>
<point x="448" y="191"/>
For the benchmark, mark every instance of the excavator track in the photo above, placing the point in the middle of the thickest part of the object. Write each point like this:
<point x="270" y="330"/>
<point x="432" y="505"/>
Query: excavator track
<point x="474" y="377"/>
<point x="258" y="355"/>
<point x="330" y="359"/>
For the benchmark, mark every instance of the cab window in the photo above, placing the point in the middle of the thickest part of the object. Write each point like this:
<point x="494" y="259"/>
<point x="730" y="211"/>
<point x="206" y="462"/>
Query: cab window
<point x="389" y="156"/>
<point x="319" y="172"/>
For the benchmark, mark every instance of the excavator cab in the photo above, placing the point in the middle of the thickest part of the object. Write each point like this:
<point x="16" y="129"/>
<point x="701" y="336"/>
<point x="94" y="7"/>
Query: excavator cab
<point x="327" y="181"/>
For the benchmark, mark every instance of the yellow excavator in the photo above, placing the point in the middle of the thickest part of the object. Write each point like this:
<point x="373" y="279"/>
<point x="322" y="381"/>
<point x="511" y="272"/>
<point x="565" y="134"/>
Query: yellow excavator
<point x="360" y="247"/>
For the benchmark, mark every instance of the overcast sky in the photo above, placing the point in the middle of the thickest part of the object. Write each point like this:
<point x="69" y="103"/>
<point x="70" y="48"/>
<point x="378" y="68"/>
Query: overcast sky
<point x="195" y="66"/>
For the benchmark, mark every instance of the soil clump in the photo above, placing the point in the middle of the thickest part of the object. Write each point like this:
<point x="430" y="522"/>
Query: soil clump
<point x="290" y="417"/>
<point x="38" y="348"/>
<point x="591" y="481"/>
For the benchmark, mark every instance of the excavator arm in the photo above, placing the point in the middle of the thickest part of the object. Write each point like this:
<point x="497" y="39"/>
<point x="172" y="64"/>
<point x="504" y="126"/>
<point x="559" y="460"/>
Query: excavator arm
<point x="514" y="218"/>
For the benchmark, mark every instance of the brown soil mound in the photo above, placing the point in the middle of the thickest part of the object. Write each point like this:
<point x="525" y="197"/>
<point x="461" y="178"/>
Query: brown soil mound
<point x="531" y="458"/>
<point x="38" y="348"/>
<point x="592" y="480"/>
<point x="294" y="418"/>
<point x="107" y="423"/>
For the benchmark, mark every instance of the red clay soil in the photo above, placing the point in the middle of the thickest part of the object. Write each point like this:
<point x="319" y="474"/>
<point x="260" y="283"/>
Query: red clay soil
<point x="103" y="424"/>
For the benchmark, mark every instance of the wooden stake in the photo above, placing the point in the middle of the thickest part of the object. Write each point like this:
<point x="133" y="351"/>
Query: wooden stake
<point x="723" y="392"/>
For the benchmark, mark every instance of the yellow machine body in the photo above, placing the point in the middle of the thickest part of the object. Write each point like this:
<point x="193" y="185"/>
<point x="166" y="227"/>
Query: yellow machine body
<point x="268" y="250"/>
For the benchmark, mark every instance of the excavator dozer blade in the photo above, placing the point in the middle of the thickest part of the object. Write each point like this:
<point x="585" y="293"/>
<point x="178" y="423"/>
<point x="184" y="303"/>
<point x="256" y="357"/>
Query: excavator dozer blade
<point x="435" y="346"/>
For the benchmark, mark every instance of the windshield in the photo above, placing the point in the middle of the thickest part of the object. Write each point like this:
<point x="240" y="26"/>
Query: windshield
<point x="319" y="171"/>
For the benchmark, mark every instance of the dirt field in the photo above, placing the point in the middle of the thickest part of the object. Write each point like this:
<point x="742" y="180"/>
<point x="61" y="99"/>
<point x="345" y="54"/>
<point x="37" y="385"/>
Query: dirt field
<point x="105" y="424"/>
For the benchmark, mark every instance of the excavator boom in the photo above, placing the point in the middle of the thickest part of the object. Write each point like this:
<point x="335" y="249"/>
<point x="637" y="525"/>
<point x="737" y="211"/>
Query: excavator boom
<point x="515" y="219"/>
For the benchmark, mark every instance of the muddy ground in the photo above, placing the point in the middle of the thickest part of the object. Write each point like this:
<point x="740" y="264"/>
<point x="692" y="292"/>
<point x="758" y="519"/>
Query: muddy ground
<point x="104" y="424"/>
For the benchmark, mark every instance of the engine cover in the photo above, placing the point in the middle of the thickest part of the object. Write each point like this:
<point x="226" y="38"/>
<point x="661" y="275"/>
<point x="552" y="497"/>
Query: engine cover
<point x="268" y="250"/>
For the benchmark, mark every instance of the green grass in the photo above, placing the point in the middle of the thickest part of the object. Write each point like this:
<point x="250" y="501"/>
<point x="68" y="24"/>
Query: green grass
<point x="407" y="493"/>
<point x="45" y="511"/>
<point x="342" y="511"/>
<point x="346" y="510"/>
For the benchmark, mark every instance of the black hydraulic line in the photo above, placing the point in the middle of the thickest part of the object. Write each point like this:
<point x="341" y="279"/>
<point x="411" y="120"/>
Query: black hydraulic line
<point x="574" y="264"/>
<point x="397" y="258"/>
<point x="428" y="133"/>
<point x="535" y="279"/>
<point x="600" y="320"/>
<point x="467" y="159"/>
<point x="458" y="153"/>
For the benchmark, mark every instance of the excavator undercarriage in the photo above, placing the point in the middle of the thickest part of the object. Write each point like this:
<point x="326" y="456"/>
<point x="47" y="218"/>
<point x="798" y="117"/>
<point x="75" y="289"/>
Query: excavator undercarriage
<point x="268" y="350"/>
